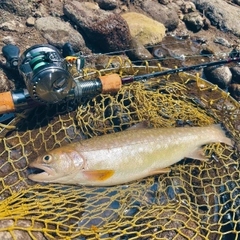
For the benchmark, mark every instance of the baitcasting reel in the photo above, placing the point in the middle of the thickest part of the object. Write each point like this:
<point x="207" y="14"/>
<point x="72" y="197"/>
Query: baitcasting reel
<point x="47" y="79"/>
<point x="45" y="74"/>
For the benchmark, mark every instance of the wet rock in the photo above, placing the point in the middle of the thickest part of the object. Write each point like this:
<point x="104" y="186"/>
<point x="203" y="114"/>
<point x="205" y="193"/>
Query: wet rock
<point x="146" y="30"/>
<point x="138" y="51"/>
<point x="19" y="233"/>
<point x="194" y="21"/>
<point x="107" y="4"/>
<point x="21" y="8"/>
<point x="222" y="41"/>
<point x="103" y="61"/>
<point x="237" y="2"/>
<point x="235" y="74"/>
<point x="30" y="21"/>
<point x="165" y="14"/>
<point x="164" y="2"/>
<point x="218" y="75"/>
<point x="12" y="26"/>
<point x="234" y="90"/>
<point x="107" y="30"/>
<point x="221" y="14"/>
<point x="58" y="33"/>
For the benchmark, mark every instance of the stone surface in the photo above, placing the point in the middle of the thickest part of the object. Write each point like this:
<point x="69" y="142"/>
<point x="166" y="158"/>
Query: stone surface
<point x="218" y="75"/>
<point x="235" y="74"/>
<point x="109" y="31"/>
<point x="30" y="21"/>
<point x="58" y="33"/>
<point x="165" y="14"/>
<point x="12" y="25"/>
<point x="107" y="4"/>
<point x="146" y="30"/>
<point x="20" y="234"/>
<point x="237" y="2"/>
<point x="234" y="90"/>
<point x="193" y="21"/>
<point x="222" y="41"/>
<point x="21" y="8"/>
<point x="221" y="14"/>
<point x="138" y="51"/>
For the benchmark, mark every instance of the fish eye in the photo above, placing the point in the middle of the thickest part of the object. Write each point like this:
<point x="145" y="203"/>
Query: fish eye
<point x="47" y="158"/>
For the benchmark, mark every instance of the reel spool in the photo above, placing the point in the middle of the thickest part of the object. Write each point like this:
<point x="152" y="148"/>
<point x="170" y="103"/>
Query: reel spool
<point x="45" y="74"/>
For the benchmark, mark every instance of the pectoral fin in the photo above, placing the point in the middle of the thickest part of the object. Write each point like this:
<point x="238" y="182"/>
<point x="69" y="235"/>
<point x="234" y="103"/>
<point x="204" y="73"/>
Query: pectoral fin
<point x="98" y="175"/>
<point x="140" y="125"/>
<point x="198" y="154"/>
<point x="158" y="171"/>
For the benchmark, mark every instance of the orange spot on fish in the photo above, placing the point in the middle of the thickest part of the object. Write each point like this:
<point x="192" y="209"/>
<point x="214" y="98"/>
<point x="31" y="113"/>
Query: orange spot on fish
<point x="98" y="175"/>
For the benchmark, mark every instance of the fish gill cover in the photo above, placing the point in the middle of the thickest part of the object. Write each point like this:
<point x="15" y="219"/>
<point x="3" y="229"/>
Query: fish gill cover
<point x="196" y="200"/>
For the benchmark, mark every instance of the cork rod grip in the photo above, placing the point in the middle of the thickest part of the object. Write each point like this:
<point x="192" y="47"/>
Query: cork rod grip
<point x="111" y="83"/>
<point x="6" y="103"/>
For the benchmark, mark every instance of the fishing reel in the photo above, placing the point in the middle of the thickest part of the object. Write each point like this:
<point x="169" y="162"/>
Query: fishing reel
<point x="47" y="77"/>
<point x="45" y="74"/>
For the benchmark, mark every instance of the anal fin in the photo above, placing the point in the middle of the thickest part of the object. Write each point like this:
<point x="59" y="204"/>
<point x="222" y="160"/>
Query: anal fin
<point x="158" y="171"/>
<point x="197" y="154"/>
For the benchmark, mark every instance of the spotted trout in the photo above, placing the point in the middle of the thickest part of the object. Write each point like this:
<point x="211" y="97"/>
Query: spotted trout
<point x="125" y="156"/>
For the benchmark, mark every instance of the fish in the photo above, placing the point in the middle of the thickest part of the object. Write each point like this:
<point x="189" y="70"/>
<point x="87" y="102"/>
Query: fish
<point x="122" y="157"/>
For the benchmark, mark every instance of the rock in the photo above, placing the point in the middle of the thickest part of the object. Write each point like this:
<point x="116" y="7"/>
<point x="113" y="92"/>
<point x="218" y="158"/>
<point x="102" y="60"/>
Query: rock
<point x="105" y="61"/>
<point x="235" y="74"/>
<point x="164" y="2"/>
<point x="193" y="21"/>
<point x="107" y="4"/>
<point x="56" y="8"/>
<point x="58" y="33"/>
<point x="30" y="21"/>
<point x="234" y="90"/>
<point x="42" y="10"/>
<point x="237" y="2"/>
<point x="187" y="7"/>
<point x="20" y="230"/>
<point x="21" y="8"/>
<point x="5" y="16"/>
<point x="222" y="41"/>
<point x="218" y="75"/>
<point x="138" y="51"/>
<point x="221" y="14"/>
<point x="165" y="14"/>
<point x="13" y="26"/>
<point x="8" y="40"/>
<point x="106" y="30"/>
<point x="146" y="30"/>
<point x="4" y="83"/>
<point x="37" y="14"/>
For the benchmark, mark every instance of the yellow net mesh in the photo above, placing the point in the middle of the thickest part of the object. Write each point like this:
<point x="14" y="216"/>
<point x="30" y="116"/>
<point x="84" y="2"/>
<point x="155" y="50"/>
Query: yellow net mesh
<point x="194" y="201"/>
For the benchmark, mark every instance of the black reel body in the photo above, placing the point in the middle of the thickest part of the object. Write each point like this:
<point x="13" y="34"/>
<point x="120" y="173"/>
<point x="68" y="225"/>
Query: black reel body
<point x="45" y="73"/>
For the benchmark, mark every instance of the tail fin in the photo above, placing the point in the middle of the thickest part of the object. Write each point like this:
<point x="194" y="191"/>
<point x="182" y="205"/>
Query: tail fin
<point x="221" y="135"/>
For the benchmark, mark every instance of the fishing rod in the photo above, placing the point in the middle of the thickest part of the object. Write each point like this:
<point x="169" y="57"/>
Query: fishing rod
<point x="48" y="81"/>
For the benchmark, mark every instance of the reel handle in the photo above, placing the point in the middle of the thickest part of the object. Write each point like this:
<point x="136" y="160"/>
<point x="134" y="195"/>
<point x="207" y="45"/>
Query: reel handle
<point x="11" y="53"/>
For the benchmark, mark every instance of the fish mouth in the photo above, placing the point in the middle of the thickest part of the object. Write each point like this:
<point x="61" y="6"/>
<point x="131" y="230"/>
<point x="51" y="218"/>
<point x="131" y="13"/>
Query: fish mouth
<point x="40" y="173"/>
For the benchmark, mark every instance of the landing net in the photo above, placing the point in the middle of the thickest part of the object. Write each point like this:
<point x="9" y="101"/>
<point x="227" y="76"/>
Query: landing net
<point x="195" y="200"/>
